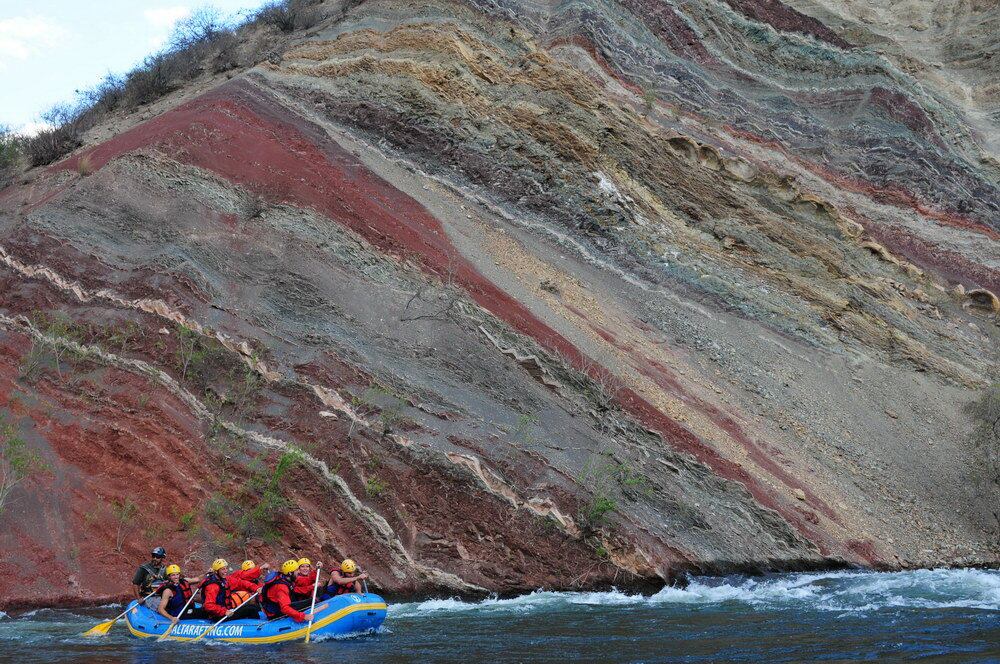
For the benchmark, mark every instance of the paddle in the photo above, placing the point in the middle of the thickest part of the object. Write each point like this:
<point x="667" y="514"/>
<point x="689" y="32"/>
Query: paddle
<point x="102" y="629"/>
<point x="364" y="582"/>
<point x="172" y="625"/>
<point x="312" y="609"/>
<point x="212" y="628"/>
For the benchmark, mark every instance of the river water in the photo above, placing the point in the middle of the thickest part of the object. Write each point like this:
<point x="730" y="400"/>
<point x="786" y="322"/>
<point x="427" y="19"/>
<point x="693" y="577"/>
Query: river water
<point x="924" y="616"/>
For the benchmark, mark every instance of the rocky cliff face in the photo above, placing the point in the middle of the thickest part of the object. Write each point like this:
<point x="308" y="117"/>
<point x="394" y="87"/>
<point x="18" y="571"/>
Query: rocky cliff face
<point x="505" y="294"/>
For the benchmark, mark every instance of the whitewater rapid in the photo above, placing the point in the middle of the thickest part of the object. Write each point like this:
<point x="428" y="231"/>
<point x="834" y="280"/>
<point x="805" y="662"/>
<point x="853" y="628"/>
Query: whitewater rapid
<point x="846" y="616"/>
<point x="844" y="591"/>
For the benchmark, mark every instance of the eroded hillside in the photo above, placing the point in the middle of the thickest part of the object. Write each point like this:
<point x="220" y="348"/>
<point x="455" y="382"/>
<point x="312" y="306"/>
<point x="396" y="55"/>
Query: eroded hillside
<point x="519" y="294"/>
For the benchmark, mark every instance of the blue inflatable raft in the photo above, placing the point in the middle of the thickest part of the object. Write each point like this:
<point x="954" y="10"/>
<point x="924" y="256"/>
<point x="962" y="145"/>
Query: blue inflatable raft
<point x="338" y="616"/>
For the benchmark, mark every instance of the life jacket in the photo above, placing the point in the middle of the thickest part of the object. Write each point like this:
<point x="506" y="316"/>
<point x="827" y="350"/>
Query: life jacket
<point x="271" y="608"/>
<point x="181" y="594"/>
<point x="341" y="589"/>
<point x="214" y="579"/>
<point x="153" y="575"/>
<point x="236" y="598"/>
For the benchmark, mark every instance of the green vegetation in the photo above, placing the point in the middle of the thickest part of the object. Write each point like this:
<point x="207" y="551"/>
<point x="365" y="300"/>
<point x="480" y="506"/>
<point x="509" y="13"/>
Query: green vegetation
<point x="187" y="520"/>
<point x="58" y="328"/>
<point x="632" y="482"/>
<point x="203" y="360"/>
<point x="91" y="516"/>
<point x="32" y="362"/>
<point x="256" y="507"/>
<point x="192" y="351"/>
<point x="596" y="513"/>
<point x="11" y="155"/>
<point x="125" y="337"/>
<point x="154" y="531"/>
<point x="17" y="462"/>
<point x="124" y="512"/>
<point x="375" y="487"/>
<point x="607" y="477"/>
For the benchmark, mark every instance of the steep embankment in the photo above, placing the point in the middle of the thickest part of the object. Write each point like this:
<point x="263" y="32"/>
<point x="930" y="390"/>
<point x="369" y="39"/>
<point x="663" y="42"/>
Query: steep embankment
<point x="559" y="294"/>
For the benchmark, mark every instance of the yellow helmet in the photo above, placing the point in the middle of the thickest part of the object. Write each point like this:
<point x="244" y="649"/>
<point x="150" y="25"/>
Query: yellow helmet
<point x="289" y="566"/>
<point x="247" y="564"/>
<point x="173" y="569"/>
<point x="305" y="561"/>
<point x="218" y="564"/>
<point x="348" y="566"/>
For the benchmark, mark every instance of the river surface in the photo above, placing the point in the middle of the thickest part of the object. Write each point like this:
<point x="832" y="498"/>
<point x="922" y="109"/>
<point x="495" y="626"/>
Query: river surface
<point x="923" y="616"/>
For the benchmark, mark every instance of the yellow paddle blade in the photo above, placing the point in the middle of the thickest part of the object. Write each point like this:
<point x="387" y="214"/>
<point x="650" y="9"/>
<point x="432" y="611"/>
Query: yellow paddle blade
<point x="100" y="629"/>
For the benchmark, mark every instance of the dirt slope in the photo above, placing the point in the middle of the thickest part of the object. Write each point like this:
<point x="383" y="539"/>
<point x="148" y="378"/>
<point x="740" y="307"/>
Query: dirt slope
<point x="534" y="294"/>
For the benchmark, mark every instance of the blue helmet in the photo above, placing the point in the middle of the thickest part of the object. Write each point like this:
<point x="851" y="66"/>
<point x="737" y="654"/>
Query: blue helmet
<point x="159" y="552"/>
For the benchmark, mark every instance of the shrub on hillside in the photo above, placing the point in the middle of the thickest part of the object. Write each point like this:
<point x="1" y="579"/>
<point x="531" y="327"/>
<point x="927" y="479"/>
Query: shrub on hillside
<point x="11" y="155"/>
<point x="289" y="15"/>
<point x="150" y="81"/>
<point x="65" y="136"/>
<point x="105" y="96"/>
<point x="200" y="27"/>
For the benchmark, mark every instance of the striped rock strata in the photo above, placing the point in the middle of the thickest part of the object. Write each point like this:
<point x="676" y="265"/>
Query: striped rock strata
<point x="557" y="294"/>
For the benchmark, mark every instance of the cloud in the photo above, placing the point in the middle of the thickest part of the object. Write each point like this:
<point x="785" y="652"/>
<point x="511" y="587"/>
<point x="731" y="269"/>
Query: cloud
<point x="163" y="19"/>
<point x="24" y="36"/>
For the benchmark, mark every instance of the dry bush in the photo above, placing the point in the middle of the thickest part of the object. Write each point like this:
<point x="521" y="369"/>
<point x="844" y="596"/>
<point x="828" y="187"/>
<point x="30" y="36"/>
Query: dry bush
<point x="49" y="145"/>
<point x="85" y="166"/>
<point x="11" y="156"/>
<point x="289" y="15"/>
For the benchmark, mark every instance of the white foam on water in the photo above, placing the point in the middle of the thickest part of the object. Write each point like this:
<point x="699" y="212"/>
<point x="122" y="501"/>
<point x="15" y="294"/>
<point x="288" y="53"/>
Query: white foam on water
<point x="521" y="604"/>
<point x="3" y="615"/>
<point x="611" y="598"/>
<point x="60" y="615"/>
<point x="842" y="592"/>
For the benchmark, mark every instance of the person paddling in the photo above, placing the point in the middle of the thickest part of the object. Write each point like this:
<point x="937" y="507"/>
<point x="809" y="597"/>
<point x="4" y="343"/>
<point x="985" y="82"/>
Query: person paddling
<point x="216" y="594"/>
<point x="276" y="595"/>
<point x="251" y="573"/>
<point x="305" y="580"/>
<point x="175" y="593"/>
<point x="346" y="580"/>
<point x="149" y="574"/>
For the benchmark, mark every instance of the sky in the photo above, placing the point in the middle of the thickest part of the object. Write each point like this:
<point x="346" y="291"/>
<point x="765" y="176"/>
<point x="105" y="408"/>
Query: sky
<point x="50" y="48"/>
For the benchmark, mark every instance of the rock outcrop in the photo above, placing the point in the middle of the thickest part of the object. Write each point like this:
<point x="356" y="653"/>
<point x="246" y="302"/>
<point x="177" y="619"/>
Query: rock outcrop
<point x="500" y="294"/>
